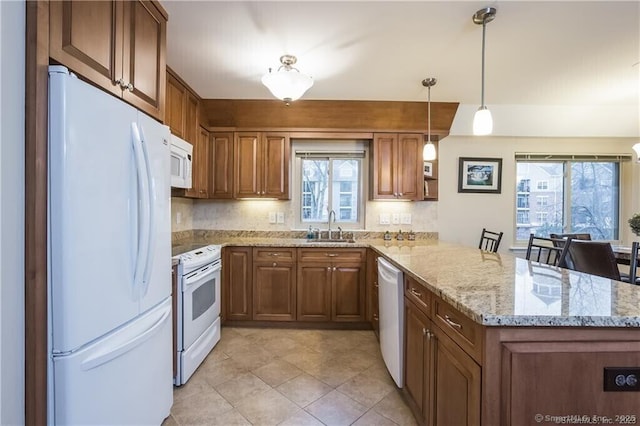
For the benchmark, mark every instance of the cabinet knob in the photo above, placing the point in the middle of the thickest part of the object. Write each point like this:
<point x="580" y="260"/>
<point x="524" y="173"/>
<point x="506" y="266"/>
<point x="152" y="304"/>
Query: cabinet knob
<point x="275" y="264"/>
<point x="399" y="194"/>
<point x="334" y="268"/>
<point x="329" y="268"/>
<point x="130" y="87"/>
<point x="120" y="82"/>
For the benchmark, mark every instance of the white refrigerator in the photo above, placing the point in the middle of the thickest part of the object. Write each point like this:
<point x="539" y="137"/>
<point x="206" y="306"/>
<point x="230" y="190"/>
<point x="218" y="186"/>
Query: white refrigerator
<point x="109" y="257"/>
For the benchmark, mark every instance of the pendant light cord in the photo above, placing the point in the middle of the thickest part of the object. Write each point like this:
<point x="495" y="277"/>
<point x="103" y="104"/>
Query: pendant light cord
<point x="429" y="114"/>
<point x="484" y="27"/>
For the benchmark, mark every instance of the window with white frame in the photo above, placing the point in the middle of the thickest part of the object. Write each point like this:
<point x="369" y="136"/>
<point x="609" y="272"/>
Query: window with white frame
<point x="329" y="177"/>
<point x="573" y="194"/>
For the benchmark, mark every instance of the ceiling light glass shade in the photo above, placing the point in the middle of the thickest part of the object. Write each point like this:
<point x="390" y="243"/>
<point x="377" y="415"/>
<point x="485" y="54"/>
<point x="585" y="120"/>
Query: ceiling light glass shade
<point x="288" y="85"/>
<point x="482" y="122"/>
<point x="429" y="151"/>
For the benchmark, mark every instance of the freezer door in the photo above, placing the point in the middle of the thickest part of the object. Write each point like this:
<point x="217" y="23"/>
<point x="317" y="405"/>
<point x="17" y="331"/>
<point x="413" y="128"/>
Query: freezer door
<point x="156" y="275"/>
<point x="113" y="381"/>
<point x="92" y="212"/>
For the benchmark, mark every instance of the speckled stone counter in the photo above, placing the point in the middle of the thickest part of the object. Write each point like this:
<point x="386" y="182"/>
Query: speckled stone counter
<point x="492" y="289"/>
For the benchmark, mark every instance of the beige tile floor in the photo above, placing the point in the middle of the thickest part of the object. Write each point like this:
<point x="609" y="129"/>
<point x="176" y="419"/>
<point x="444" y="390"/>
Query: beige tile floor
<point x="291" y="377"/>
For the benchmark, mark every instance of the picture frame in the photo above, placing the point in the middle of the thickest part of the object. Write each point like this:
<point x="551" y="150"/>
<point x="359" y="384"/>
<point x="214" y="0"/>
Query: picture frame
<point x="480" y="175"/>
<point x="428" y="169"/>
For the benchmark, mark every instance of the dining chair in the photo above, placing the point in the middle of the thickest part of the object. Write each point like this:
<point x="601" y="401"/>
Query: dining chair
<point x="632" y="277"/>
<point x="595" y="258"/>
<point x="552" y="251"/>
<point x="489" y="240"/>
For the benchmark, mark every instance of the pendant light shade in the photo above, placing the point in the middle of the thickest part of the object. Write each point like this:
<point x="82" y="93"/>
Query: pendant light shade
<point x="288" y="83"/>
<point x="429" y="149"/>
<point x="636" y="149"/>
<point x="482" y="121"/>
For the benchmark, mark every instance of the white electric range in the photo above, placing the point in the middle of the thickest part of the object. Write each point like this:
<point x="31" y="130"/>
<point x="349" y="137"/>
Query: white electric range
<point x="198" y="307"/>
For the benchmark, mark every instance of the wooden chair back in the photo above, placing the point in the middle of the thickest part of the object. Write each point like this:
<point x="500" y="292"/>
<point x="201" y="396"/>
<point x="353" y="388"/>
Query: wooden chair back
<point x="633" y="264"/>
<point x="552" y="251"/>
<point x="489" y="240"/>
<point x="576" y="236"/>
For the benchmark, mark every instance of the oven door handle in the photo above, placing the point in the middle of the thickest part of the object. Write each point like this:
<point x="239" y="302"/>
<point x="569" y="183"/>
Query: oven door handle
<point x="201" y="275"/>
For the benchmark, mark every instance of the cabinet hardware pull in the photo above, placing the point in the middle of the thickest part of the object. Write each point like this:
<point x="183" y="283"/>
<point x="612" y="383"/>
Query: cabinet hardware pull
<point x="274" y="254"/>
<point x="416" y="293"/>
<point x="334" y="268"/>
<point x="331" y="254"/>
<point x="424" y="331"/>
<point x="328" y="268"/>
<point x="376" y="285"/>
<point x="452" y="323"/>
<point x="120" y="82"/>
<point x="399" y="194"/>
<point x="275" y="264"/>
<point x="130" y="87"/>
<point x="375" y="317"/>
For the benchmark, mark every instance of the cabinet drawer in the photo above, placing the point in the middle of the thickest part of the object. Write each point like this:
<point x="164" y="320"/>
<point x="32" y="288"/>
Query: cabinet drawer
<point x="418" y="294"/>
<point x="328" y="254"/>
<point x="465" y="332"/>
<point x="274" y="253"/>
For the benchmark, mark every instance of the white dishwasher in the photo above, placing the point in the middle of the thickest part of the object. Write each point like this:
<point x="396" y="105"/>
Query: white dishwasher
<point x="391" y="312"/>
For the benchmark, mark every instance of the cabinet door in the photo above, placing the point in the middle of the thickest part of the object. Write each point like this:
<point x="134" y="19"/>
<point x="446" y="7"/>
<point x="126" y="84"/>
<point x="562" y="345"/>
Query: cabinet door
<point x="221" y="165"/>
<point x="237" y="283"/>
<point x="275" y="172"/>
<point x="410" y="180"/>
<point x="457" y="384"/>
<point x="348" y="291"/>
<point x="417" y="360"/>
<point x="144" y="56"/>
<point x="175" y="114"/>
<point x="199" y="167"/>
<point x="384" y="166"/>
<point x="192" y="107"/>
<point x="87" y="37"/>
<point x="314" y="292"/>
<point x="247" y="161"/>
<point x="274" y="291"/>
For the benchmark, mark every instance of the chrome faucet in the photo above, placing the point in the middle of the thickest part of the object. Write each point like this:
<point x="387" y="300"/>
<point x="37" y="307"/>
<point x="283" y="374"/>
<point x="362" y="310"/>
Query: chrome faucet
<point x="334" y="219"/>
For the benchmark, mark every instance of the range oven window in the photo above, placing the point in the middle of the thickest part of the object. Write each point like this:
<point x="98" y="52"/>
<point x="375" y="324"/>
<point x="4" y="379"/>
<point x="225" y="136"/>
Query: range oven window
<point x="203" y="298"/>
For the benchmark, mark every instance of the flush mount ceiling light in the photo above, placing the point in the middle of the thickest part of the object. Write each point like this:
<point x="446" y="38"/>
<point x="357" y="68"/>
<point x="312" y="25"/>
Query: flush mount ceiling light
<point x="288" y="83"/>
<point x="429" y="150"/>
<point x="482" y="121"/>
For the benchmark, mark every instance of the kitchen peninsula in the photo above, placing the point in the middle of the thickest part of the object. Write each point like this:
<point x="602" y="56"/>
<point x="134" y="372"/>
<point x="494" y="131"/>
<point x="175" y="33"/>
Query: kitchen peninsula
<point x="494" y="339"/>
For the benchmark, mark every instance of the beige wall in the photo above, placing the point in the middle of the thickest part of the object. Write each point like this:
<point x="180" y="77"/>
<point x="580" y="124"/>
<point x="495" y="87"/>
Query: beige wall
<point x="462" y="216"/>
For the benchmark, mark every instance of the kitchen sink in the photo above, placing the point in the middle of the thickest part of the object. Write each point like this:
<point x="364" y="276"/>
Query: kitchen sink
<point x="332" y="240"/>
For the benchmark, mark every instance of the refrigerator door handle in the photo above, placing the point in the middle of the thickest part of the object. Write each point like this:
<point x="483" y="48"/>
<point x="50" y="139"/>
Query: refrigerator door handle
<point x="143" y="212"/>
<point x="151" y="200"/>
<point x="111" y="353"/>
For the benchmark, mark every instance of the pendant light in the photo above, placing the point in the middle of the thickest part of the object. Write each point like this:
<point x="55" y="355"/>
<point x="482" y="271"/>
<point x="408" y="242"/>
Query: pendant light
<point x="429" y="150"/>
<point x="482" y="121"/>
<point x="636" y="149"/>
<point x="288" y="83"/>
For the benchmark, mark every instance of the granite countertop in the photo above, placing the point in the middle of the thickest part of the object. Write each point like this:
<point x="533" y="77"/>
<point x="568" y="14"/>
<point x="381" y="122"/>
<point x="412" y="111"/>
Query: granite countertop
<point x="496" y="289"/>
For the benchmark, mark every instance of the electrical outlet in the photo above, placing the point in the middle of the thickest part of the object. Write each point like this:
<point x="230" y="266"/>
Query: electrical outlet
<point x="272" y="217"/>
<point x="395" y="218"/>
<point x="385" y="219"/>
<point x="621" y="379"/>
<point x="405" y="218"/>
<point x="280" y="216"/>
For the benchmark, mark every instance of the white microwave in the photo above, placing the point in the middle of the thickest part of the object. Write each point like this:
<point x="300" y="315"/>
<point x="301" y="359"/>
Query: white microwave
<point x="181" y="154"/>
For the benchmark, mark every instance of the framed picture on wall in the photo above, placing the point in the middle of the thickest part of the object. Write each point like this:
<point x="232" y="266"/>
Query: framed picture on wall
<point x="482" y="175"/>
<point x="428" y="169"/>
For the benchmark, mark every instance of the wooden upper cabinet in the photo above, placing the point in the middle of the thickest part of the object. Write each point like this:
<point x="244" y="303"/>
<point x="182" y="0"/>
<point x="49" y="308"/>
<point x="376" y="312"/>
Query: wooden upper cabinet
<point x="200" y="166"/>
<point x="119" y="46"/>
<point x="221" y="165"/>
<point x="397" y="166"/>
<point x="182" y="109"/>
<point x="175" y="112"/>
<point x="261" y="165"/>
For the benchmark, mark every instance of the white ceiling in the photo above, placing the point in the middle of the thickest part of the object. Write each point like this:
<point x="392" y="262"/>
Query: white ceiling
<point x="538" y="53"/>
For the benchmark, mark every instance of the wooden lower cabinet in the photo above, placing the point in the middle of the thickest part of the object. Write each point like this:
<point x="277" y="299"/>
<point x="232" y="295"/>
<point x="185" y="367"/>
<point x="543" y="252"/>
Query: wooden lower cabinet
<point x="274" y="285"/>
<point x="456" y="383"/>
<point x="314" y="292"/>
<point x="331" y="285"/>
<point x="442" y="382"/>
<point x="417" y="361"/>
<point x="238" y="289"/>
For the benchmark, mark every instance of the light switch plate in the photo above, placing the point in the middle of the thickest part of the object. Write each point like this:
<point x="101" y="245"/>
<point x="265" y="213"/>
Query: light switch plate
<point x="395" y="218"/>
<point x="385" y="219"/>
<point x="405" y="218"/>
<point x="280" y="217"/>
<point x="272" y="217"/>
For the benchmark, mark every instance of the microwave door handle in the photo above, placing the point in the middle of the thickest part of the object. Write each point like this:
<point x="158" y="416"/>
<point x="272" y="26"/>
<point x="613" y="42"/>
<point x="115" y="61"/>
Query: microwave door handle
<point x="151" y="206"/>
<point x="143" y="211"/>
